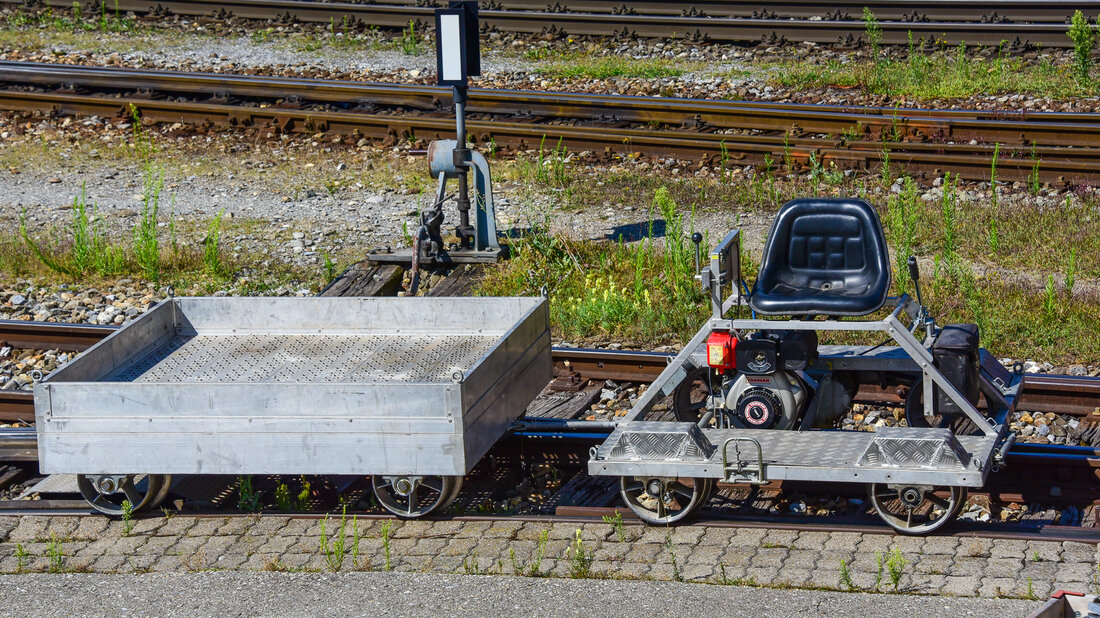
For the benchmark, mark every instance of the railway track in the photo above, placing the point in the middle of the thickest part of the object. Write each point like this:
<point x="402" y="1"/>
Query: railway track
<point x="1022" y="25"/>
<point x="1061" y="147"/>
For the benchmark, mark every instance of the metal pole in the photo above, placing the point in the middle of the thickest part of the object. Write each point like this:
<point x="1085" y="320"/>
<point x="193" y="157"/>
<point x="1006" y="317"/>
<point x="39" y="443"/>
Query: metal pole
<point x="461" y="152"/>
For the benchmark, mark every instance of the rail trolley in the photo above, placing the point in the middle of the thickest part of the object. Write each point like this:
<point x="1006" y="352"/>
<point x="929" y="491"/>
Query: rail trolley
<point x="413" y="391"/>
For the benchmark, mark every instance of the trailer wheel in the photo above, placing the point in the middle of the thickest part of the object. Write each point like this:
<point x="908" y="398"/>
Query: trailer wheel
<point x="106" y="493"/>
<point x="916" y="509"/>
<point x="415" y="496"/>
<point x="663" y="501"/>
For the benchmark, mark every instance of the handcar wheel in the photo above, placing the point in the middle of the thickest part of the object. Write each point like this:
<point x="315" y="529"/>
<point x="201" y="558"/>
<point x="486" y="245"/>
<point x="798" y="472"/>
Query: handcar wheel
<point x="689" y="399"/>
<point x="106" y="493"/>
<point x="916" y="510"/>
<point x="165" y="486"/>
<point x="914" y="409"/>
<point x="663" y="501"/>
<point x="415" y="496"/>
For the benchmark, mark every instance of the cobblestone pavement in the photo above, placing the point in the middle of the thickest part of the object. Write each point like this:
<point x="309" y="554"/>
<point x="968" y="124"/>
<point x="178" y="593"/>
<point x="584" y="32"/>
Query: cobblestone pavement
<point x="746" y="556"/>
<point x="249" y="593"/>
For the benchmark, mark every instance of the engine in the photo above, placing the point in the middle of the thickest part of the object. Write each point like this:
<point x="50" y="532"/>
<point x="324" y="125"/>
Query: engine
<point x="761" y="388"/>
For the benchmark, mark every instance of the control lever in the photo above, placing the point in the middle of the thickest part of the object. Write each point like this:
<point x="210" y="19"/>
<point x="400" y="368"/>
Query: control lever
<point x="922" y="317"/>
<point x="914" y="274"/>
<point x="697" y="238"/>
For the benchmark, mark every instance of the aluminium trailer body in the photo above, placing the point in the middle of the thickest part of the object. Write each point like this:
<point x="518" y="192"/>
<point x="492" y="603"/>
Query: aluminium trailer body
<point x="396" y="388"/>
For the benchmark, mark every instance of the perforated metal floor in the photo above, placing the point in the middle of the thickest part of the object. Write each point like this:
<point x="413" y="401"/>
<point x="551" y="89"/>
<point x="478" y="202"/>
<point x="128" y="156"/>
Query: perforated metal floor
<point x="308" y="358"/>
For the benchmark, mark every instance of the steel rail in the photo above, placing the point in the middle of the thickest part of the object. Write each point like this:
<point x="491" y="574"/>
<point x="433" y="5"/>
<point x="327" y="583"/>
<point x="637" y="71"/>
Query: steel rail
<point x="899" y="10"/>
<point x="1059" y="165"/>
<point x="897" y="124"/>
<point x="1072" y="395"/>
<point x="722" y="29"/>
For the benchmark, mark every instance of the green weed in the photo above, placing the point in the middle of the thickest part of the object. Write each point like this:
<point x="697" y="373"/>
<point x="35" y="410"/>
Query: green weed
<point x="616" y="523"/>
<point x="676" y="574"/>
<point x="1083" y="35"/>
<point x="127" y="517"/>
<point x="22" y="558"/>
<point x="335" y="550"/>
<point x="580" y="559"/>
<point x="410" y="40"/>
<point x="387" y="550"/>
<point x="1070" y="278"/>
<point x="247" y="498"/>
<point x="873" y="31"/>
<point x="534" y="567"/>
<point x="895" y="564"/>
<point x="146" y="243"/>
<point x="211" y="258"/>
<point x="846" y="575"/>
<point x="56" y="555"/>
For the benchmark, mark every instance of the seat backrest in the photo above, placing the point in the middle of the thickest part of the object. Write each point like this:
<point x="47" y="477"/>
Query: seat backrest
<point x="828" y="246"/>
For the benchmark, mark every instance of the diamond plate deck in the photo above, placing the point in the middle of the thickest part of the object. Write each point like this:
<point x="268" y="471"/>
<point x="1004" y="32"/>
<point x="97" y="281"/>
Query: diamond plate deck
<point x="307" y="358"/>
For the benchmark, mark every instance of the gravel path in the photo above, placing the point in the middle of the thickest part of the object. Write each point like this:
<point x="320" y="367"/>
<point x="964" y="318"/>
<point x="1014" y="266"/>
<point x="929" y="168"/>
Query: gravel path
<point x="369" y="594"/>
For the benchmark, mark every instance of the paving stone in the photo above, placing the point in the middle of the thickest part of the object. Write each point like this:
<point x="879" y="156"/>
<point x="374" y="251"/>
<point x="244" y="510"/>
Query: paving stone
<point x="607" y="552"/>
<point x="825" y="578"/>
<point x="217" y="545"/>
<point x="1008" y="548"/>
<point x="206" y="526"/>
<point x="299" y="527"/>
<point x="872" y="543"/>
<point x="654" y="534"/>
<point x="304" y="544"/>
<point x="1079" y="552"/>
<point x="697" y="572"/>
<point x="166" y="564"/>
<point x="687" y="535"/>
<point x="738" y="556"/>
<point x="158" y="545"/>
<point x="88" y="528"/>
<point x="229" y="561"/>
<point x="420" y="564"/>
<point x="444" y="528"/>
<point x="188" y="545"/>
<point x="805" y="559"/>
<point x="1045" y="550"/>
<point x="643" y="552"/>
<point x="940" y="545"/>
<point x="77" y="564"/>
<point x="763" y="576"/>
<point x="908" y="544"/>
<point x="717" y="537"/>
<point x="1046" y="571"/>
<point x="966" y="566"/>
<point x="459" y="547"/>
<point x="295" y="561"/>
<point x="923" y="582"/>
<point x="811" y="540"/>
<point x="126" y="545"/>
<point x="933" y="564"/>
<point x="412" y="529"/>
<point x="176" y="525"/>
<point x="770" y="557"/>
<point x="428" y="547"/>
<point x="794" y="577"/>
<point x="7" y="524"/>
<point x="633" y="570"/>
<point x="1077" y="572"/>
<point x="476" y="530"/>
<point x="509" y="530"/>
<point x="108" y="563"/>
<point x="138" y="564"/>
<point x="30" y="528"/>
<point x="146" y="526"/>
<point x="844" y="541"/>
<point x="966" y="585"/>
<point x="269" y="525"/>
<point x="973" y="548"/>
<point x="779" y="538"/>
<point x="748" y="537"/>
<point x="703" y="555"/>
<point x="61" y="527"/>
<point x="662" y="571"/>
<point x="727" y="574"/>
<point x="1003" y="567"/>
<point x="235" y="526"/>
<point x="997" y="587"/>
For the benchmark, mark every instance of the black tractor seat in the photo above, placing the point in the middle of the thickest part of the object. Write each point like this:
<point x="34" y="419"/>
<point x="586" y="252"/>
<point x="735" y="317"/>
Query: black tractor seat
<point x="823" y="257"/>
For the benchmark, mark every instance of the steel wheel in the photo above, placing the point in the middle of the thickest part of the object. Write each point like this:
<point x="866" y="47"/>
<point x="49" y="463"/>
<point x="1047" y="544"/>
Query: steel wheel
<point x="165" y="485"/>
<point x="664" y="500"/>
<point x="689" y="400"/>
<point x="106" y="492"/>
<point x="914" y="409"/>
<point x="916" y="509"/>
<point x="415" y="496"/>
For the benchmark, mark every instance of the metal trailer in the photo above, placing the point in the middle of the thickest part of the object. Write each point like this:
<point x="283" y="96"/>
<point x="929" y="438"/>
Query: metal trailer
<point x="917" y="477"/>
<point x="412" y="391"/>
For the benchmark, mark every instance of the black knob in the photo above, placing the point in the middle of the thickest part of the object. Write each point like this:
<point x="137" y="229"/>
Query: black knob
<point x="696" y="238"/>
<point x="914" y="272"/>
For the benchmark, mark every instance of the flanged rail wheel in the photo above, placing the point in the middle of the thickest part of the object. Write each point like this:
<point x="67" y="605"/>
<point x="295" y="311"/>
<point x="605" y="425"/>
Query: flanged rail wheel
<point x="107" y="492"/>
<point x="914" y="509"/>
<point x="664" y="500"/>
<point x="689" y="399"/>
<point x="415" y="496"/>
